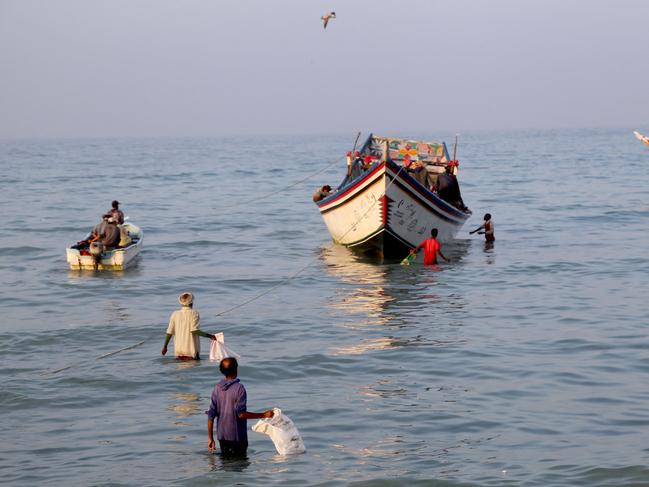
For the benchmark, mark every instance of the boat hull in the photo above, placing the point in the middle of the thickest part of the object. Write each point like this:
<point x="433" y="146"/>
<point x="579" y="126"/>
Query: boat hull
<point x="387" y="212"/>
<point x="115" y="260"/>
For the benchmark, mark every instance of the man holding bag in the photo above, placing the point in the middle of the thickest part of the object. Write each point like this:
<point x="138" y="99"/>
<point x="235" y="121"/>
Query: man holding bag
<point x="228" y="406"/>
<point x="184" y="327"/>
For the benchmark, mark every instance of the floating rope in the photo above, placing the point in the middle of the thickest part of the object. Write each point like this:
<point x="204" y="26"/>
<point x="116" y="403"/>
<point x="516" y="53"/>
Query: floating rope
<point x="257" y="296"/>
<point x="275" y="191"/>
<point x="308" y="264"/>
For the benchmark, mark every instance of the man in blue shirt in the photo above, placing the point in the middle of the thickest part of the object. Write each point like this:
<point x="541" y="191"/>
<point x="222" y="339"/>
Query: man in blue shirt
<point x="228" y="405"/>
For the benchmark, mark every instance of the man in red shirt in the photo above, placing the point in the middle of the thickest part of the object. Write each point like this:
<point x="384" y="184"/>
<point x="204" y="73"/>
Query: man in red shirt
<point x="431" y="248"/>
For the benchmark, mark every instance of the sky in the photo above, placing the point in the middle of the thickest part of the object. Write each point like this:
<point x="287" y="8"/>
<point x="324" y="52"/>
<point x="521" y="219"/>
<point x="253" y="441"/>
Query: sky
<point x="84" y="68"/>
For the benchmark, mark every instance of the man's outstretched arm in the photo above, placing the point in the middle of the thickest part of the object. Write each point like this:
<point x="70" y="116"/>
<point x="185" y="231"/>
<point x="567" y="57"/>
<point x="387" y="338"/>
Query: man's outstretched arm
<point x="249" y="415"/>
<point x="201" y="333"/>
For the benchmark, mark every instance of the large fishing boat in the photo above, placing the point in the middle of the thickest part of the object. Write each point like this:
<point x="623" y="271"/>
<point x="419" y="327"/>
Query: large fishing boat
<point x="395" y="191"/>
<point x="81" y="255"/>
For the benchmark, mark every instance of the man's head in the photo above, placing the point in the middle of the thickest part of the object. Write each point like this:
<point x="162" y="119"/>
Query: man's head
<point x="228" y="367"/>
<point x="326" y="187"/>
<point x="106" y="216"/>
<point x="487" y="216"/>
<point x="433" y="233"/>
<point x="186" y="299"/>
<point x="115" y="204"/>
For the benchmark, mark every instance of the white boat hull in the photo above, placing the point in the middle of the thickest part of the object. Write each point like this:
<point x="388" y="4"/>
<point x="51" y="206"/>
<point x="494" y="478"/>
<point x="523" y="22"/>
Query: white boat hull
<point x="388" y="212"/>
<point x="116" y="260"/>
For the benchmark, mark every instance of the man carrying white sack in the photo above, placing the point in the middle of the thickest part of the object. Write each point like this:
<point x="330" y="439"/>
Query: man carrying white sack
<point x="228" y="406"/>
<point x="184" y="327"/>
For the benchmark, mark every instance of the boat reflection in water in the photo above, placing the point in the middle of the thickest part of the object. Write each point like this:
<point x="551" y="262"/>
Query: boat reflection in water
<point x="391" y="298"/>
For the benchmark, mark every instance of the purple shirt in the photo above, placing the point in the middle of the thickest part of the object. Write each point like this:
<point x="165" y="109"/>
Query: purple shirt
<point x="228" y="401"/>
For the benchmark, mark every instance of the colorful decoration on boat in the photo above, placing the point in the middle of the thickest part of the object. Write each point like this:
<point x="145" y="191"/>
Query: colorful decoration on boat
<point x="409" y="150"/>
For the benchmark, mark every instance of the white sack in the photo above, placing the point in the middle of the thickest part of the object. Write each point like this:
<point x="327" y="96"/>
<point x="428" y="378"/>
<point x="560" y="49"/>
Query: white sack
<point x="282" y="431"/>
<point x="219" y="351"/>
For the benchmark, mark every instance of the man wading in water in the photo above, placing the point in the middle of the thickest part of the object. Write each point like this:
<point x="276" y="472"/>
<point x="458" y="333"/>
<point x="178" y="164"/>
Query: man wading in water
<point x="432" y="247"/>
<point x="184" y="326"/>
<point x="228" y="406"/>
<point x="487" y="229"/>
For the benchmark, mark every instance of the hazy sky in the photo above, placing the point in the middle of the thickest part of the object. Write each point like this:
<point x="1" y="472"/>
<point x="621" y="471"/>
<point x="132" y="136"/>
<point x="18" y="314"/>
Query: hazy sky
<point x="211" y="67"/>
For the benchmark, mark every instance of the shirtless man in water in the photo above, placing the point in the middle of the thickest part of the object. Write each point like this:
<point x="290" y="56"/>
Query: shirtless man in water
<point x="487" y="228"/>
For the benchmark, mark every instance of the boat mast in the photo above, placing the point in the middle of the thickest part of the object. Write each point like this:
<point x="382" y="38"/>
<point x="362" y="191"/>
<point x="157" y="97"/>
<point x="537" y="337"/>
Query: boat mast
<point x="455" y="155"/>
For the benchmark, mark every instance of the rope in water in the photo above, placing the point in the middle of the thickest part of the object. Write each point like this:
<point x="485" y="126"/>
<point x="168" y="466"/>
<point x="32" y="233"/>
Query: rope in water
<point x="309" y="263"/>
<point x="275" y="192"/>
<point x="253" y="298"/>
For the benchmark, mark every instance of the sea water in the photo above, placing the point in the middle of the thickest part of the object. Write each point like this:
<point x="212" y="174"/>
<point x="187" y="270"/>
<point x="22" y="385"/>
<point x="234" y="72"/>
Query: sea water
<point x="525" y="363"/>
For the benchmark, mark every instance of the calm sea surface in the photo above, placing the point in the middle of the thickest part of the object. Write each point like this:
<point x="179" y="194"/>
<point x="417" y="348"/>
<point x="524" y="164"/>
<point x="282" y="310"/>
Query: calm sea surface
<point x="526" y="364"/>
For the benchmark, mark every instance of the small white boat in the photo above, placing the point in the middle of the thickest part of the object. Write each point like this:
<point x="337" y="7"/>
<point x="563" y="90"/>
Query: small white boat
<point x="640" y="137"/>
<point x="117" y="259"/>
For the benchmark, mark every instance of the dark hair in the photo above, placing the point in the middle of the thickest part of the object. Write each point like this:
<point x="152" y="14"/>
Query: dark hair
<point x="433" y="232"/>
<point x="487" y="216"/>
<point x="229" y="366"/>
<point x="326" y="187"/>
<point x="115" y="203"/>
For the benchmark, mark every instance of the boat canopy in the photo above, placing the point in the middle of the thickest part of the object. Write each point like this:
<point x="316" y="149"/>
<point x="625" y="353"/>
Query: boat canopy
<point x="404" y="149"/>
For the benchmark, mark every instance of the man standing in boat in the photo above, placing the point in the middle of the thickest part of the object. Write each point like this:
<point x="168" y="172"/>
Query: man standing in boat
<point x="118" y="215"/>
<point x="431" y="247"/>
<point x="184" y="326"/>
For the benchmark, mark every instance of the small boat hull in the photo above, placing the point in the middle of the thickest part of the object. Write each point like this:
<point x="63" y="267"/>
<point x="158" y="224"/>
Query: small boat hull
<point x="387" y="212"/>
<point x="114" y="260"/>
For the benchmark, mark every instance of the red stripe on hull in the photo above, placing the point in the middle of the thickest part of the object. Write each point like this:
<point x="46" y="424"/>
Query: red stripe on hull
<point x="349" y="190"/>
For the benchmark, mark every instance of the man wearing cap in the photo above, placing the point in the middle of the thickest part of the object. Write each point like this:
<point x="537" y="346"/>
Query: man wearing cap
<point x="106" y="232"/>
<point x="184" y="326"/>
<point x="117" y="214"/>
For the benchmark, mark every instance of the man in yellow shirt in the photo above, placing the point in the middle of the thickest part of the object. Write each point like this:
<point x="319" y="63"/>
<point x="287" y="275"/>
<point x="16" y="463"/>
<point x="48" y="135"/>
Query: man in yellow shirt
<point x="184" y="326"/>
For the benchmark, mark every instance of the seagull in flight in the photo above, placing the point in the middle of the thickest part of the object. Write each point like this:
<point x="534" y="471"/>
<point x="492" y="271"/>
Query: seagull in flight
<point x="325" y="18"/>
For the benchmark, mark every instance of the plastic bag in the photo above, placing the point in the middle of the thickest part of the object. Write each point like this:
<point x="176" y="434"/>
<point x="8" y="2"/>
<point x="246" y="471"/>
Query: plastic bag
<point x="282" y="431"/>
<point x="219" y="351"/>
<point x="409" y="258"/>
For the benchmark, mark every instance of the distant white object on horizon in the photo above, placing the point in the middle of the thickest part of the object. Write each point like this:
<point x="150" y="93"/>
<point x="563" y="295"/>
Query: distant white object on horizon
<point x="640" y="137"/>
<point x="325" y="18"/>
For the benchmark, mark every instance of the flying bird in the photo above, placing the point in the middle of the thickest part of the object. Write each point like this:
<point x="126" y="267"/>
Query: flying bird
<point x="325" y="18"/>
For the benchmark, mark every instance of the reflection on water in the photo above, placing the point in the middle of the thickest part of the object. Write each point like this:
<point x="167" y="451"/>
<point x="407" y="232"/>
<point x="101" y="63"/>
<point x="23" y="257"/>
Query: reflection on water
<point x="489" y="252"/>
<point x="363" y="285"/>
<point x="369" y="291"/>
<point x="79" y="275"/>
<point x="374" y="296"/>
<point x="384" y="388"/>
<point x="385" y="447"/>
<point x="365" y="346"/>
<point x="218" y="463"/>
<point x="186" y="404"/>
<point x="116" y="312"/>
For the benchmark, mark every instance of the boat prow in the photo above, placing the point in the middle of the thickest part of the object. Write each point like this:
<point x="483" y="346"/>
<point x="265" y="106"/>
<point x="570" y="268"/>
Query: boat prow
<point x="640" y="137"/>
<point x="117" y="259"/>
<point x="386" y="207"/>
